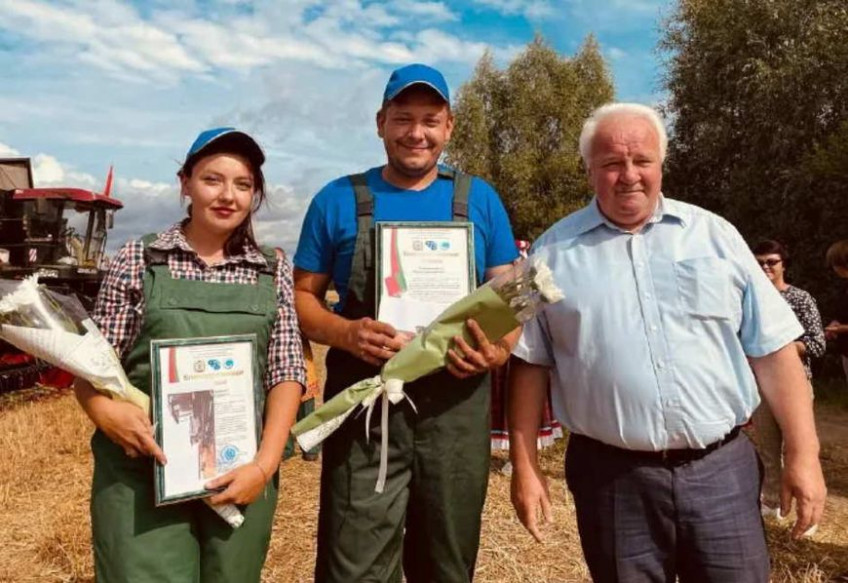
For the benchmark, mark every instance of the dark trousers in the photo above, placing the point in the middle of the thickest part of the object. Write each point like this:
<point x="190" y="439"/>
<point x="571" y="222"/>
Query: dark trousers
<point x="645" y="520"/>
<point x="426" y="524"/>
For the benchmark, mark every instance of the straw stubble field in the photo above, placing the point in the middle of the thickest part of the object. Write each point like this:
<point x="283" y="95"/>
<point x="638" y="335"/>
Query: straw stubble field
<point x="45" y="471"/>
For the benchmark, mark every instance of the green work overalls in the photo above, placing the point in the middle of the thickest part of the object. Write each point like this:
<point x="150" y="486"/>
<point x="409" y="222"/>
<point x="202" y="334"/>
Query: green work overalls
<point x="438" y="464"/>
<point x="134" y="541"/>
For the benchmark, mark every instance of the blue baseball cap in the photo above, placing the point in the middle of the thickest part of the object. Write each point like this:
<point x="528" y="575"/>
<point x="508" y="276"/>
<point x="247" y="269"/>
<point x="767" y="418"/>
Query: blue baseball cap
<point x="416" y="74"/>
<point x="227" y="136"/>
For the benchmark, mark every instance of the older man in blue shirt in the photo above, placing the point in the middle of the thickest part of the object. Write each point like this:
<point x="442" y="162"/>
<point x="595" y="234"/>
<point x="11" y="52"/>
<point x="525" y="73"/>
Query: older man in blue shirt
<point x="653" y="357"/>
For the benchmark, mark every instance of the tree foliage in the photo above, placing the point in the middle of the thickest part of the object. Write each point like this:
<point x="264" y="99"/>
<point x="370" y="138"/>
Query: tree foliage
<point x="518" y="128"/>
<point x="759" y="105"/>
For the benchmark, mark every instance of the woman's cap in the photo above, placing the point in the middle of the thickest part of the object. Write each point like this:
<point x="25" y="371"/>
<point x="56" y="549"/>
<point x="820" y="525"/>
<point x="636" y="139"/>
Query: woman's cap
<point x="415" y="74"/>
<point x="219" y="137"/>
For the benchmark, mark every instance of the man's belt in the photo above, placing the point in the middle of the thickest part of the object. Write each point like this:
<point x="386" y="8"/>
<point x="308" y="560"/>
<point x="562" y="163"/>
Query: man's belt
<point x="669" y="457"/>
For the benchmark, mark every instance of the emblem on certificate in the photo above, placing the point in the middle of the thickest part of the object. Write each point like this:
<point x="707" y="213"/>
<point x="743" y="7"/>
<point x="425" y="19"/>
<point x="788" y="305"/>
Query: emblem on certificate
<point x="422" y="268"/>
<point x="207" y="411"/>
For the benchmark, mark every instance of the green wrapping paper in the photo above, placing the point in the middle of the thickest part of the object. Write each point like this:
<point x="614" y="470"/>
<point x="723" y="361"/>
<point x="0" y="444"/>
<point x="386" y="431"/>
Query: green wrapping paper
<point x="427" y="352"/>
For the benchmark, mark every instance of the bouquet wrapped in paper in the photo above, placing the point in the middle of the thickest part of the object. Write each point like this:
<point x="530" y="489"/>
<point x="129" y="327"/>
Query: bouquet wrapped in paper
<point x="56" y="329"/>
<point x="499" y="306"/>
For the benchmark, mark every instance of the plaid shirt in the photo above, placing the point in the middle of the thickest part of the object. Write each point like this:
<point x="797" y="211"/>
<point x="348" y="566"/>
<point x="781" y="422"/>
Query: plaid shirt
<point x="119" y="311"/>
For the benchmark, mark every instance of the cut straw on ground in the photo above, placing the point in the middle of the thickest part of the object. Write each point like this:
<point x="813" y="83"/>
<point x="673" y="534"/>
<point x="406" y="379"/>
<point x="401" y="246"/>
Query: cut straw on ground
<point x="45" y="474"/>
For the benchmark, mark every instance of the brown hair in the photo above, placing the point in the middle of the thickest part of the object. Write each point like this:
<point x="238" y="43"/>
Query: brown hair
<point x="837" y="254"/>
<point x="769" y="247"/>
<point x="242" y="234"/>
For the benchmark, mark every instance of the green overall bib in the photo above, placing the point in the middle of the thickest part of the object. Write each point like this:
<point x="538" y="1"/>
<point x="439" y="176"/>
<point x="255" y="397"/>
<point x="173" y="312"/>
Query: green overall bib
<point x="134" y="541"/>
<point x="438" y="458"/>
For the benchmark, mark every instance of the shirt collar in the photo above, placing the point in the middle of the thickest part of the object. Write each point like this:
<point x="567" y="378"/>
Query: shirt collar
<point x="666" y="208"/>
<point x="174" y="239"/>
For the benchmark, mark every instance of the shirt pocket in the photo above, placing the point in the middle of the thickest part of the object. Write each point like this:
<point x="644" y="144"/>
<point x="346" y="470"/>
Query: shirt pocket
<point x="705" y="286"/>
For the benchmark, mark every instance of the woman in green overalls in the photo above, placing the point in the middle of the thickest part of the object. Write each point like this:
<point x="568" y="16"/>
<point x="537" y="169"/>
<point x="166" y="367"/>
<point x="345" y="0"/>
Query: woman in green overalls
<point x="204" y="276"/>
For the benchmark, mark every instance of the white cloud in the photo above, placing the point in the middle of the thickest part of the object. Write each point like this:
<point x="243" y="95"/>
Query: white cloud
<point x="8" y="151"/>
<point x="278" y="223"/>
<point x="435" y="11"/>
<point x="532" y="9"/>
<point x="46" y="170"/>
<point x="615" y="53"/>
<point x="175" y="43"/>
<point x="241" y="44"/>
<point x="432" y="45"/>
<point x="118" y="40"/>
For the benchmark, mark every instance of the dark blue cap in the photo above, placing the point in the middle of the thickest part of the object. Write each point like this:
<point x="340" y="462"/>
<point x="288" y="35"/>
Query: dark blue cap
<point x="240" y="141"/>
<point x="416" y="74"/>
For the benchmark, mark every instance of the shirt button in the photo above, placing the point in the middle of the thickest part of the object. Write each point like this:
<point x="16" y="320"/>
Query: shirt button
<point x="639" y="264"/>
<point x="654" y="328"/>
<point x="172" y="302"/>
<point x="660" y="364"/>
<point x="647" y="296"/>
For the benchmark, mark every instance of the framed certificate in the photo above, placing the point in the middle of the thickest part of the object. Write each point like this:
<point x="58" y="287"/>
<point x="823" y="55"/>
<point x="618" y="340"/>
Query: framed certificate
<point x="421" y="269"/>
<point x="207" y="411"/>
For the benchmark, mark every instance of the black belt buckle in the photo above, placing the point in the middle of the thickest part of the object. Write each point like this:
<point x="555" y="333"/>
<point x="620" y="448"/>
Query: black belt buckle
<point x="676" y="457"/>
<point x="679" y="457"/>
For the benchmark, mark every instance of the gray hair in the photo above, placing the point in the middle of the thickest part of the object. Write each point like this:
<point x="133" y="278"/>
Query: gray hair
<point x="610" y="109"/>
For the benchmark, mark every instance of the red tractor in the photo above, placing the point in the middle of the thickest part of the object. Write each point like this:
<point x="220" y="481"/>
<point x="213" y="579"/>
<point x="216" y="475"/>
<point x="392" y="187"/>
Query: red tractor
<point x="57" y="233"/>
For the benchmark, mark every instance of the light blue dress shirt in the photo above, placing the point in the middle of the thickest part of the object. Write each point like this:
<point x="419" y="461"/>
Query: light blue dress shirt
<point x="648" y="349"/>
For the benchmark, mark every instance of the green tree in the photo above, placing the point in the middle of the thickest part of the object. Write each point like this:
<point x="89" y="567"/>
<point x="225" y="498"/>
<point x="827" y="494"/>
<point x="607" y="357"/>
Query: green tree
<point x="759" y="102"/>
<point x="518" y="128"/>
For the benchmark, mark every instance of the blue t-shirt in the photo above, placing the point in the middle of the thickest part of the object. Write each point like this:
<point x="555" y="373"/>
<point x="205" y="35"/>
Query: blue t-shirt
<point x="328" y="236"/>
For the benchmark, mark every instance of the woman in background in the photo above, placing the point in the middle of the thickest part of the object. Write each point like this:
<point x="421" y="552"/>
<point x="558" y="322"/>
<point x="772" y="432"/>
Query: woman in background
<point x="773" y="260"/>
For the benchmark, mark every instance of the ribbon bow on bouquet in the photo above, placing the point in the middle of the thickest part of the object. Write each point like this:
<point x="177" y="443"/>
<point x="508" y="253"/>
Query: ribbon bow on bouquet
<point x="499" y="306"/>
<point x="57" y="329"/>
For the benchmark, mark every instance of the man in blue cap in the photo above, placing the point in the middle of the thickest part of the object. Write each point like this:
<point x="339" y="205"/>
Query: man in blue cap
<point x="426" y="523"/>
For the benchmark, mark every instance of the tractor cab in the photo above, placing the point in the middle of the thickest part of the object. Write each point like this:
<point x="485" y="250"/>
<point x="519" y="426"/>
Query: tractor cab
<point x="57" y="233"/>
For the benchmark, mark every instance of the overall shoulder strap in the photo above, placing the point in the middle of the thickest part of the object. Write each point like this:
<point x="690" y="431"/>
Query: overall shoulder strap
<point x="461" y="189"/>
<point x="155" y="263"/>
<point x="153" y="256"/>
<point x="363" y="260"/>
<point x="271" y="255"/>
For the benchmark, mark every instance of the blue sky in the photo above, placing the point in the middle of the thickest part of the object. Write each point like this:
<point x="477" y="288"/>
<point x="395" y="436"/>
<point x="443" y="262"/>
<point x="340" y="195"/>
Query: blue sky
<point x="89" y="83"/>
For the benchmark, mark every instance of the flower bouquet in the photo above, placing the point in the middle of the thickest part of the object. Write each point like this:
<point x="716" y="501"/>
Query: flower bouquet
<point x="499" y="306"/>
<point x="57" y="329"/>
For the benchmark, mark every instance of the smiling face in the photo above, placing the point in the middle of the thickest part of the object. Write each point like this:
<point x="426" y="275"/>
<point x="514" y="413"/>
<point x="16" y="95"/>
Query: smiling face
<point x="772" y="265"/>
<point x="415" y="126"/>
<point x="625" y="169"/>
<point x="221" y="189"/>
